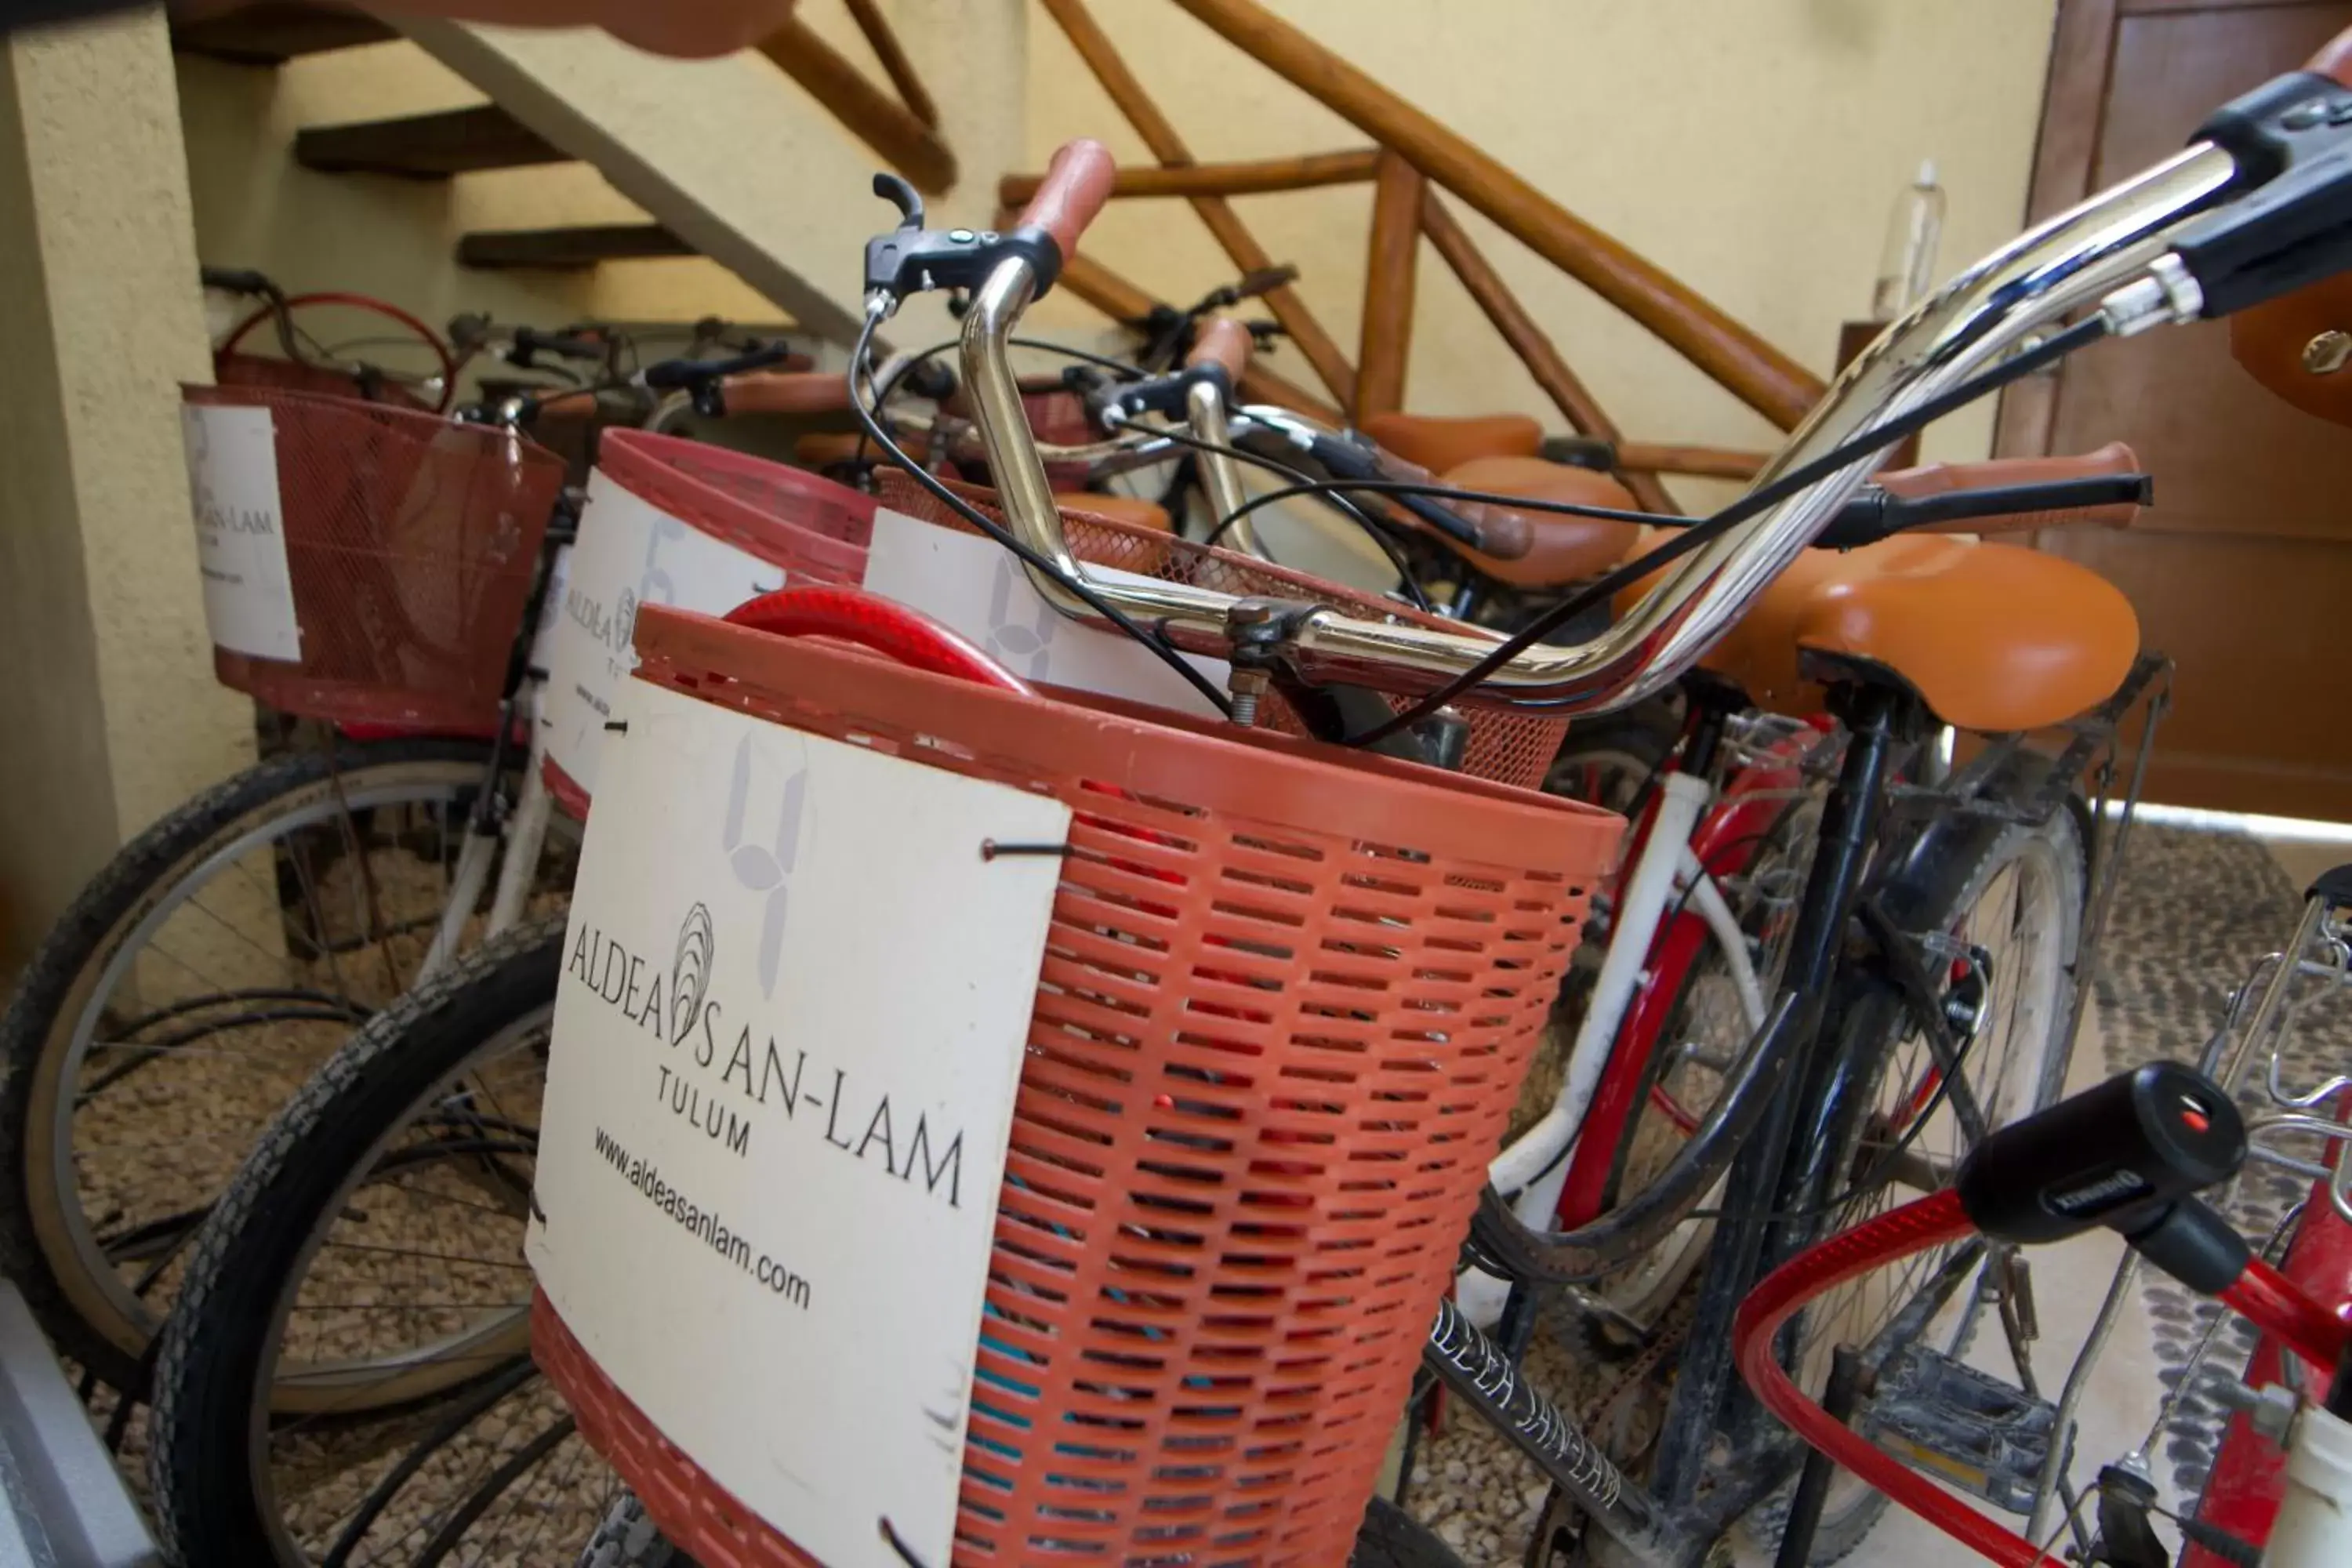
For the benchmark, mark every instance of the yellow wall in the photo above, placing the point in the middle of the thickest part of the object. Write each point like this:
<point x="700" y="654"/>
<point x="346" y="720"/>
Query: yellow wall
<point x="254" y="206"/>
<point x="1752" y="148"/>
<point x="109" y="710"/>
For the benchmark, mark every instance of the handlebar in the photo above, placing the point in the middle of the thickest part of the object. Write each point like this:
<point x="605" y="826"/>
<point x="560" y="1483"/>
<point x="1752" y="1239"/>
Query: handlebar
<point x="1076" y="185"/>
<point x="1223" y="343"/>
<point x="2115" y="252"/>
<point x="2076" y="259"/>
<point x="690" y="375"/>
<point x="2105" y="489"/>
<point x="785" y="392"/>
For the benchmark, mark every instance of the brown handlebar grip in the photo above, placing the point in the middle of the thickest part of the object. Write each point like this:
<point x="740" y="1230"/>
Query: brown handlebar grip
<point x="2335" y="59"/>
<point x="2118" y="514"/>
<point x="1077" y="185"/>
<point x="1221" y="341"/>
<point x="2109" y="461"/>
<point x="785" y="392"/>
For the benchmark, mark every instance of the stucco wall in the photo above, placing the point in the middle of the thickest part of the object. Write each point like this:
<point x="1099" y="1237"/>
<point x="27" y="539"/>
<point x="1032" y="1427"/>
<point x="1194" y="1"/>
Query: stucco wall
<point x="1750" y="147"/>
<point x="109" y="713"/>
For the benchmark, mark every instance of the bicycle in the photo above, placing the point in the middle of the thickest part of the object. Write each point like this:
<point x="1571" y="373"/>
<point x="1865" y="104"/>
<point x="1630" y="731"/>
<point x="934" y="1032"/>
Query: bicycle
<point x="2127" y="253"/>
<point x="2261" y="1503"/>
<point x="263" y="920"/>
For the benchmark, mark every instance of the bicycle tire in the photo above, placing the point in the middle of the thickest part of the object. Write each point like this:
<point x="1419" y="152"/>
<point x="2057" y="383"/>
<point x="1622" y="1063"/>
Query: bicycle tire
<point x="1389" y="1538"/>
<point x="1608" y="762"/>
<point x="1844" y="1526"/>
<point x="1646" y="1286"/>
<point x="206" y="1485"/>
<point x="628" y="1539"/>
<point x="82" y="1316"/>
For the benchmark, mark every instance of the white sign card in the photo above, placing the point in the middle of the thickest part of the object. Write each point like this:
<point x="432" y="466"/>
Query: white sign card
<point x="550" y="611"/>
<point x="630" y="552"/>
<point x="240" y="531"/>
<point x="787" y="1043"/>
<point x="979" y="589"/>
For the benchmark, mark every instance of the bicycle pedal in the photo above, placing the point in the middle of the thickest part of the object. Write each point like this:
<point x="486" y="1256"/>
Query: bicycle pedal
<point x="1964" y="1427"/>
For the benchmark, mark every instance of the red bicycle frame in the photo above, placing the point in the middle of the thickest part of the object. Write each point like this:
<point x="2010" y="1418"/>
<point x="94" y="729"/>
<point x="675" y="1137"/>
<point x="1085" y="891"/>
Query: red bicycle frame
<point x="1725" y="844"/>
<point x="2249" y="1475"/>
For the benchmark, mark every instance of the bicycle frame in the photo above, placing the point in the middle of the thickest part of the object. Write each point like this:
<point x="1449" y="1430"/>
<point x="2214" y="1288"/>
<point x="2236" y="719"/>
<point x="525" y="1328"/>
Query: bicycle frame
<point x="1669" y="907"/>
<point x="2248" y="1481"/>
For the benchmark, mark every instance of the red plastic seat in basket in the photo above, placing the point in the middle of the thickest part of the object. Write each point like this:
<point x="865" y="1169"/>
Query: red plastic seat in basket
<point x="408" y="545"/>
<point x="1288" y="996"/>
<point x="677" y="523"/>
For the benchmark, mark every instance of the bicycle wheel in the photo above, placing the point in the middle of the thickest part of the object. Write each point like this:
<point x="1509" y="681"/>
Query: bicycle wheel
<point x="1606" y="762"/>
<point x="1706" y="1030"/>
<point x="627" y="1539"/>
<point x="2004" y="956"/>
<point x="348" y="1374"/>
<point x="1390" y="1538"/>
<point x="187" y="994"/>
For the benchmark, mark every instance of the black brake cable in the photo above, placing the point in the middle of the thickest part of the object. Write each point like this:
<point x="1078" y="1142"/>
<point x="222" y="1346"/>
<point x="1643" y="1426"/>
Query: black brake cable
<point x="899" y="369"/>
<point x="1414" y="593"/>
<point x="860" y="358"/>
<point x="1844" y="456"/>
<point x="1437" y="491"/>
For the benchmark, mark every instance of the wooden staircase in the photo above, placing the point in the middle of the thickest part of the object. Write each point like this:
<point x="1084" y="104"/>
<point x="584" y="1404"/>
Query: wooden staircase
<point x="900" y="124"/>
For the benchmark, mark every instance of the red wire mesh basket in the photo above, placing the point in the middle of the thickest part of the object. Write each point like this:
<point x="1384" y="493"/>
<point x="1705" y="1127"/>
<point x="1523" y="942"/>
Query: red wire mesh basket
<point x="1288" y="996"/>
<point x="411" y="545"/>
<point x="232" y="369"/>
<point x="809" y="528"/>
<point x="1507" y="747"/>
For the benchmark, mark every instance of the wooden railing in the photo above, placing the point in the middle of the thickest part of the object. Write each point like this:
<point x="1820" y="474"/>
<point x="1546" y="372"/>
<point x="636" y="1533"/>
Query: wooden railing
<point x="904" y="130"/>
<point x="1414" y="167"/>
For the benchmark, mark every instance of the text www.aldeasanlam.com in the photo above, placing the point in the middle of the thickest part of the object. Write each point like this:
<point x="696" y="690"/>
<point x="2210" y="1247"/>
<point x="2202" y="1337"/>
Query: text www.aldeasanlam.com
<point x="779" y="1280"/>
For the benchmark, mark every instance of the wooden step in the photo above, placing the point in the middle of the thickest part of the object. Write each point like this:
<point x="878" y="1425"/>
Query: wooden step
<point x="270" y="35"/>
<point x="570" y="249"/>
<point x="425" y="146"/>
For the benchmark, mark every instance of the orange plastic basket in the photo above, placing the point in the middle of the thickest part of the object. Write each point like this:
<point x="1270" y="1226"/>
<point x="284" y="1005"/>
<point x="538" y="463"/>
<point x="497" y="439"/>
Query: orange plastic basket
<point x="1288" y="997"/>
<point x="814" y="529"/>
<point x="1506" y="747"/>
<point x="411" y="543"/>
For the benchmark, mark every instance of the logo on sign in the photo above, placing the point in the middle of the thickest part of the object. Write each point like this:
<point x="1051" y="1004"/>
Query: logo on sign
<point x="764" y="867"/>
<point x="689" y="971"/>
<point x="1011" y="641"/>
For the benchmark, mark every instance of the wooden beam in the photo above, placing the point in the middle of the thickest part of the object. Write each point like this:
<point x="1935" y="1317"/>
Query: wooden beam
<point x="1751" y="369"/>
<point x="569" y="250"/>
<point x="272" y="34"/>
<point x="895" y="63"/>
<point x="1094" y="48"/>
<point x="1395" y="252"/>
<point x="1222" y="179"/>
<point x="869" y="113"/>
<point x="1529" y="341"/>
<point x="1122" y="301"/>
<point x="1104" y="289"/>
<point x="1697" y="462"/>
<point x="426" y="146"/>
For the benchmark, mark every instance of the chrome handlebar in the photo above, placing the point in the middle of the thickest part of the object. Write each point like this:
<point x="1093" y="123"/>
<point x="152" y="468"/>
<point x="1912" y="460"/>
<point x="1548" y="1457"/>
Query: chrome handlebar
<point x="2080" y="258"/>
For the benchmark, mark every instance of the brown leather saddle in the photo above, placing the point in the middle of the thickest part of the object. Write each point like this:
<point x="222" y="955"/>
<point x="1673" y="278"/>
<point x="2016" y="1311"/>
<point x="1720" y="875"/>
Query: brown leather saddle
<point x="1993" y="636"/>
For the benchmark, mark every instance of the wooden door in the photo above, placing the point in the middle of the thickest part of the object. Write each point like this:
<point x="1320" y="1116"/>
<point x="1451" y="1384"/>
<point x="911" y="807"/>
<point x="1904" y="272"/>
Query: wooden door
<point x="2241" y="570"/>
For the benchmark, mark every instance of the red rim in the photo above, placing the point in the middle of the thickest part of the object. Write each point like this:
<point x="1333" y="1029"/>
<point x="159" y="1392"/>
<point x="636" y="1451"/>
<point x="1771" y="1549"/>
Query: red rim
<point x="423" y="333"/>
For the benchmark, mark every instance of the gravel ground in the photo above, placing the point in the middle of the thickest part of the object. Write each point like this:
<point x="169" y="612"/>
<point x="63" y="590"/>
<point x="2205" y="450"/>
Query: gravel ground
<point x="188" y="1072"/>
